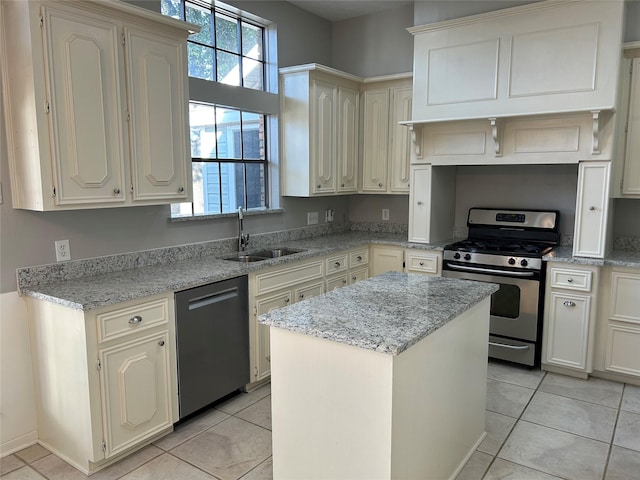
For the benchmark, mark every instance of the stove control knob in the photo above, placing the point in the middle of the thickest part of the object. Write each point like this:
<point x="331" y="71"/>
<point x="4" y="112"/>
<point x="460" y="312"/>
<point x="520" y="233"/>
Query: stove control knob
<point x="467" y="256"/>
<point x="456" y="255"/>
<point x="512" y="261"/>
<point x="524" y="263"/>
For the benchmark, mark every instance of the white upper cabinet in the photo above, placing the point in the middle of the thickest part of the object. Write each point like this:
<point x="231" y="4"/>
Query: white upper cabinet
<point x="95" y="104"/>
<point x="627" y="172"/>
<point x="386" y="144"/>
<point x="540" y="58"/>
<point x="320" y="127"/>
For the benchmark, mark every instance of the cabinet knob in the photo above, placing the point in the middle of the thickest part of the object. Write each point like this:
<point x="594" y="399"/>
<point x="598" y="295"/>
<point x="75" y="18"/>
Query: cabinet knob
<point x="180" y="189"/>
<point x="344" y="280"/>
<point x="342" y="185"/>
<point x="135" y="320"/>
<point x="287" y="300"/>
<point x="318" y="186"/>
<point x="337" y="264"/>
<point x="359" y="258"/>
<point x="301" y="295"/>
<point x="380" y="185"/>
<point x="354" y="278"/>
<point x="569" y="280"/>
<point x="421" y="264"/>
<point x="419" y="202"/>
<point x="161" y="343"/>
<point x="116" y="191"/>
<point x="592" y="208"/>
<point x="569" y="303"/>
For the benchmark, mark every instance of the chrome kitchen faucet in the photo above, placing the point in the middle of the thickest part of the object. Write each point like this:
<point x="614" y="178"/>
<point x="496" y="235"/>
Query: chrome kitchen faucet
<point x="243" y="238"/>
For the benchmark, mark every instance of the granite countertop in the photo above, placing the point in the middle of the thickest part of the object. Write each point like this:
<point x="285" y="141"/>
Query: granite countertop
<point x="94" y="291"/>
<point x="387" y="313"/>
<point x="617" y="258"/>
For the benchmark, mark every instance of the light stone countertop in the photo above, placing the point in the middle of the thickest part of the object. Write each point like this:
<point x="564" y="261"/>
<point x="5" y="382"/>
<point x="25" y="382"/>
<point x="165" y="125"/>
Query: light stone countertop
<point x="387" y="313"/>
<point x="95" y="291"/>
<point x="617" y="258"/>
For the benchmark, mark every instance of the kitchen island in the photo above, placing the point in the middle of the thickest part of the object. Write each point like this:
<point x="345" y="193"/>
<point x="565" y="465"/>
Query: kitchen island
<point x="385" y="378"/>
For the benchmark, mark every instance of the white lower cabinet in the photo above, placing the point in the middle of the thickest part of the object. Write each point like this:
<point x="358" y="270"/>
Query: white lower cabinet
<point x="569" y="317"/>
<point x="423" y="261"/>
<point x="106" y="379"/>
<point x="386" y="259"/>
<point x="622" y="347"/>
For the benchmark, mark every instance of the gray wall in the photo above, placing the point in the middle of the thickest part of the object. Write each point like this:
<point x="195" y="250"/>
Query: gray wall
<point x="632" y="21"/>
<point x="28" y="237"/>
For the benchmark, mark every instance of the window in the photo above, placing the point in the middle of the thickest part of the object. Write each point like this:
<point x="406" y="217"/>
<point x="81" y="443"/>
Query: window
<point x="229" y="138"/>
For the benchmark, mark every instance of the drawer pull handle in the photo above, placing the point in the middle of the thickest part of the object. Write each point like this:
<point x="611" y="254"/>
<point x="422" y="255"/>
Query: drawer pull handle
<point x="569" y="303"/>
<point x="135" y="320"/>
<point x="569" y="280"/>
<point x="359" y="258"/>
<point x="337" y="264"/>
<point x="161" y="343"/>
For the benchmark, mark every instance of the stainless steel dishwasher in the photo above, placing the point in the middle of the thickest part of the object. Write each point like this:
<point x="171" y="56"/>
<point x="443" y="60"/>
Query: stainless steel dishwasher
<point x="212" y="335"/>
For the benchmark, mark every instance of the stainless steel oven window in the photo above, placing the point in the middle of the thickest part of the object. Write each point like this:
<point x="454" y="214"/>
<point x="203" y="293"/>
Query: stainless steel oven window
<point x="506" y="301"/>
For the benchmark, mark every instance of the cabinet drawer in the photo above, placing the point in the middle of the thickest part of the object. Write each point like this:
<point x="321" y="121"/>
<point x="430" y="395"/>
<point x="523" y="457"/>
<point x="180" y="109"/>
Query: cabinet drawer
<point x="309" y="291"/>
<point x="358" y="274"/>
<point x="337" y="263"/>
<point x="422" y="262"/>
<point x="132" y="319"/>
<point x="280" y="278"/>
<point x="337" y="281"/>
<point x="359" y="257"/>
<point x="571" y="279"/>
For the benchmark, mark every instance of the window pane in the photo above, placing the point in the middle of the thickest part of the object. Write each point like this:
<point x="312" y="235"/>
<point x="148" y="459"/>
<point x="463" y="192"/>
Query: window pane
<point x="202" y="121"/>
<point x="252" y="136"/>
<point x="252" y="74"/>
<point x="228" y="125"/>
<point x="172" y="8"/>
<point x="200" y="16"/>
<point x="227" y="33"/>
<point x="251" y="41"/>
<point x="206" y="188"/>
<point x="228" y="68"/>
<point x="201" y="61"/>
<point x="256" y="194"/>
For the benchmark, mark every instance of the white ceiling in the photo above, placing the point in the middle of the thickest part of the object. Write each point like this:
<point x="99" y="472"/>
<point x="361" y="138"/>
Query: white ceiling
<point x="335" y="10"/>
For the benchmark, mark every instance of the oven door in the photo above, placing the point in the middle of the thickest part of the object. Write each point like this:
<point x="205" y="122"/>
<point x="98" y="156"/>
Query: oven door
<point x="514" y="307"/>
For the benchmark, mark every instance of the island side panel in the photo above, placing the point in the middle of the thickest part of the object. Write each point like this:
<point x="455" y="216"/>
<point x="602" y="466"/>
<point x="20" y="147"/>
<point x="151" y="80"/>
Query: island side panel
<point x="439" y="398"/>
<point x="331" y="409"/>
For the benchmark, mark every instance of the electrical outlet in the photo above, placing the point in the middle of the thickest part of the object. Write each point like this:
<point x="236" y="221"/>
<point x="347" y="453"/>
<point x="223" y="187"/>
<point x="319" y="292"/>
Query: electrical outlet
<point x="385" y="214"/>
<point x="63" y="252"/>
<point x="328" y="215"/>
<point x="312" y="218"/>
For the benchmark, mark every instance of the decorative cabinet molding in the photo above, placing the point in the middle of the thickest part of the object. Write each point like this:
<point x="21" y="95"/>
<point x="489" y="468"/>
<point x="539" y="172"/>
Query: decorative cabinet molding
<point x="320" y="127"/>
<point x="115" y="377"/>
<point x="386" y="148"/>
<point x="488" y="65"/>
<point x="570" y="317"/>
<point x="96" y="105"/>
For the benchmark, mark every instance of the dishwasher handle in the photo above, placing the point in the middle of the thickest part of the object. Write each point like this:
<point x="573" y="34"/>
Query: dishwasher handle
<point x="221" y="296"/>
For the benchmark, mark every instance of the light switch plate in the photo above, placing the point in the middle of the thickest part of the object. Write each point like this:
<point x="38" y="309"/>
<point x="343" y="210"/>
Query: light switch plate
<point x="385" y="214"/>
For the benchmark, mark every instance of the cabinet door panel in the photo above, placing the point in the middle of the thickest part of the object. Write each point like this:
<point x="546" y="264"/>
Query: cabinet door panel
<point x="568" y="330"/>
<point x="348" y="131"/>
<point x="265" y="305"/>
<point x="631" y="180"/>
<point x="623" y="350"/>
<point x="419" y="204"/>
<point x="400" y="139"/>
<point x="386" y="260"/>
<point x="157" y="106"/>
<point x="591" y="209"/>
<point x="86" y="107"/>
<point x="376" y="134"/>
<point x="136" y="391"/>
<point x="323" y="139"/>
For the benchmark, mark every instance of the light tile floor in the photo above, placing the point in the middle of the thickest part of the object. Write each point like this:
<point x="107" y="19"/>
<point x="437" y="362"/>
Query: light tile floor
<point x="541" y="426"/>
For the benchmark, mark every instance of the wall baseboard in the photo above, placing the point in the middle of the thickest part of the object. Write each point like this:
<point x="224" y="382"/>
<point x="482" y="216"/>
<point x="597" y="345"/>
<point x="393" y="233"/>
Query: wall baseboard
<point x="16" y="444"/>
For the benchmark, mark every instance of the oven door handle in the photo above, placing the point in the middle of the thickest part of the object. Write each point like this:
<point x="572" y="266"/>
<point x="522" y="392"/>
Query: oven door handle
<point x="512" y="347"/>
<point x="504" y="273"/>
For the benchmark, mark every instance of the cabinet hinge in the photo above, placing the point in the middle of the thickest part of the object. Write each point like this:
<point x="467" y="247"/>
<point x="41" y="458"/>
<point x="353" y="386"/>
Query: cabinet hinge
<point x="124" y="39"/>
<point x="128" y="117"/>
<point x="47" y="107"/>
<point x="99" y="365"/>
<point x="53" y="190"/>
<point x="104" y="446"/>
<point x="131" y="189"/>
<point x="255" y="310"/>
<point x="255" y="372"/>
<point x="41" y="21"/>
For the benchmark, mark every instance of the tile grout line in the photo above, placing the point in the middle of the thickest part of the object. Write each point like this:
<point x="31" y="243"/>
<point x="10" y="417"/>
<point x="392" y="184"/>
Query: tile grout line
<point x="613" y="433"/>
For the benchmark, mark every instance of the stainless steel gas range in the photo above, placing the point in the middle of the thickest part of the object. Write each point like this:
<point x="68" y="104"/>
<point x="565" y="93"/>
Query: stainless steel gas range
<point x="506" y="246"/>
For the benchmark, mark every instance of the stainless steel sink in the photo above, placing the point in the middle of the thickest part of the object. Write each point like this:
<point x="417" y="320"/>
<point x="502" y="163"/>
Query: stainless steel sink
<point x="263" y="254"/>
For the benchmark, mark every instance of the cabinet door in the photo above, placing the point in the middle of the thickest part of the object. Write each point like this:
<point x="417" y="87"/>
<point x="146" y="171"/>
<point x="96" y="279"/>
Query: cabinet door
<point x="400" y="139"/>
<point x="568" y="330"/>
<point x="348" y="134"/>
<point x="136" y="391"/>
<point x="631" y="179"/>
<point x="419" y="204"/>
<point x="323" y="137"/>
<point x="623" y="350"/>
<point x="358" y="274"/>
<point x="592" y="209"/>
<point x="337" y="281"/>
<point x="157" y="105"/>
<point x="309" y="291"/>
<point x="376" y="141"/>
<point x="386" y="259"/>
<point x="86" y="107"/>
<point x="263" y="355"/>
